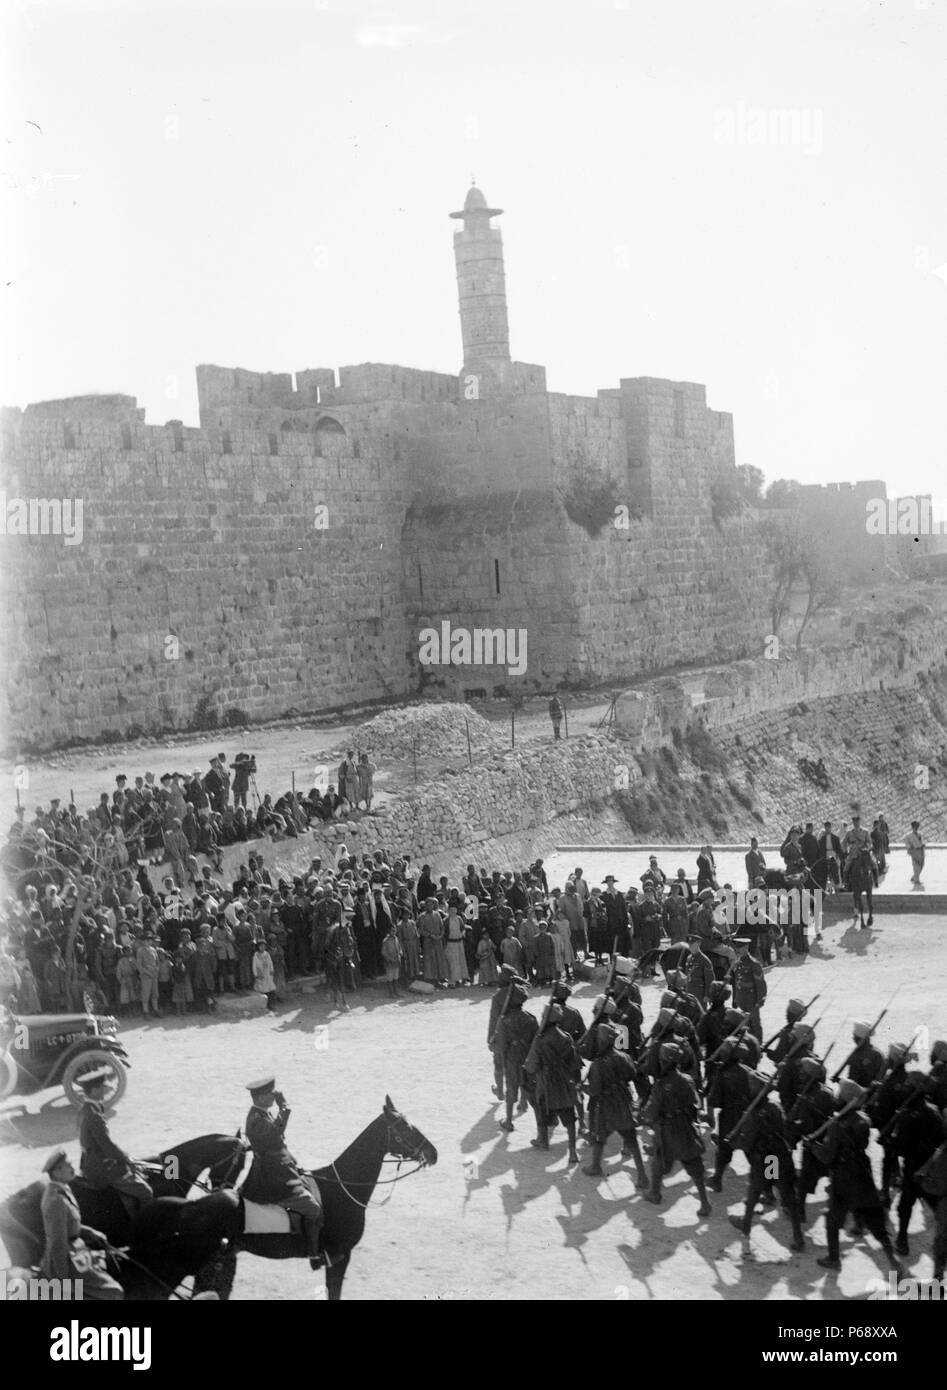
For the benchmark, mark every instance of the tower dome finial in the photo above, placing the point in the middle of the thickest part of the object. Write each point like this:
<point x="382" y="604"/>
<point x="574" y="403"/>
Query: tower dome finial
<point x="481" y="285"/>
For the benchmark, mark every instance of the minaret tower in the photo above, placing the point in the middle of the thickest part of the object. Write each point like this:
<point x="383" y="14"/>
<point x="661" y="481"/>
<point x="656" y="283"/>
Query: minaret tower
<point x="481" y="288"/>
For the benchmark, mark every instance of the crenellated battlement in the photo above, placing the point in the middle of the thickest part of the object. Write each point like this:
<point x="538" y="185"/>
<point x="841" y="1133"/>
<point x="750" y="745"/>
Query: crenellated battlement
<point x="285" y="554"/>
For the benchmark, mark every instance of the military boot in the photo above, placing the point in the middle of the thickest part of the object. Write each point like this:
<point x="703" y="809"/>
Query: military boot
<point x="594" y="1169"/>
<point x="312" y="1229"/>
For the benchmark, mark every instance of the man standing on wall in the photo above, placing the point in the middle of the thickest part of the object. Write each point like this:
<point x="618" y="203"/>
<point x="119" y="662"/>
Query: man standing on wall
<point x="555" y="714"/>
<point x="755" y="862"/>
<point x="914" y="844"/>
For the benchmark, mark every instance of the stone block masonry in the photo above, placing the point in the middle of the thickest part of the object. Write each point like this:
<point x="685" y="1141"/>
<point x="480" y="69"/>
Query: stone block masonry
<point x="206" y="581"/>
<point x="285" y="557"/>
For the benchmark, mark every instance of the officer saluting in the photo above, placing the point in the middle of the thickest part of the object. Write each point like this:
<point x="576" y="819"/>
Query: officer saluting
<point x="275" y="1176"/>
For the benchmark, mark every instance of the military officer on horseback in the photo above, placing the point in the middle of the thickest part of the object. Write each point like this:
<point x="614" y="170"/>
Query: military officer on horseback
<point x="103" y="1163"/>
<point x="857" y="841"/>
<point x="275" y="1176"/>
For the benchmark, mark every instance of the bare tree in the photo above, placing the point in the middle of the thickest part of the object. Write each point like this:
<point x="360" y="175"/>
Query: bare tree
<point x="785" y="544"/>
<point x="822" y="578"/>
<point x="799" y="564"/>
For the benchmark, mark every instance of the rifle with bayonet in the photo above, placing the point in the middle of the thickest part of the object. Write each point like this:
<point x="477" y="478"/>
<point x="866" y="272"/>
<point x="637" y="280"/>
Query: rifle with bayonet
<point x="778" y="1035"/>
<point x="868" y="1036"/>
<point x="531" y="1054"/>
<point x="770" y="1085"/>
<point x="596" y="1017"/>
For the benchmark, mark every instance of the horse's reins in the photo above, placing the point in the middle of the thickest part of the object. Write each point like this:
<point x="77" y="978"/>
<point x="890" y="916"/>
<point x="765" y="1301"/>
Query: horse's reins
<point x="116" y="1253"/>
<point x="412" y="1157"/>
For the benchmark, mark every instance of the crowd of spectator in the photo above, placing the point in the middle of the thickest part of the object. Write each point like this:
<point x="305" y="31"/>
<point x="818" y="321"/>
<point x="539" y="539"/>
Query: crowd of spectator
<point x="86" y="926"/>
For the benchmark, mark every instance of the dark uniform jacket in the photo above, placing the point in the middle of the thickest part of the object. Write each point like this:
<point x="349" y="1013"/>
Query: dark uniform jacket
<point x="675" y="917"/>
<point x="496" y="1009"/>
<point x="730" y="1094"/>
<point x="938" y="1079"/>
<point x="843" y="1150"/>
<point x="555" y="1065"/>
<point x="781" y="1043"/>
<point x="572" y="1022"/>
<point x="749" y="984"/>
<point x="610" y="1105"/>
<point x="890" y="1095"/>
<point x="629" y="1016"/>
<point x="917" y="1133"/>
<point x="810" y="1112"/>
<point x="700" y="976"/>
<point x="512" y="1042"/>
<point x="764" y="1134"/>
<point x="275" y="1174"/>
<point x="711" y="1030"/>
<point x="791" y="1080"/>
<point x="103" y="1162"/>
<point x="867" y="1064"/>
<point x="688" y="1005"/>
<point x="704" y="923"/>
<point x="673" y="1112"/>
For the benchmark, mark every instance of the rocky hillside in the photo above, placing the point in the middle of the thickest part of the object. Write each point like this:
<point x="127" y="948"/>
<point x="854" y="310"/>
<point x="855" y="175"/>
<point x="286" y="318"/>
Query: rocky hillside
<point x="878" y="750"/>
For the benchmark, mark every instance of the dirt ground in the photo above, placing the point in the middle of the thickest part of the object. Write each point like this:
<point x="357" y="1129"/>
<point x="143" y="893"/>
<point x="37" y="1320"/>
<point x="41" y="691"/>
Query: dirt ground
<point x="303" y="749"/>
<point x="494" y="1219"/>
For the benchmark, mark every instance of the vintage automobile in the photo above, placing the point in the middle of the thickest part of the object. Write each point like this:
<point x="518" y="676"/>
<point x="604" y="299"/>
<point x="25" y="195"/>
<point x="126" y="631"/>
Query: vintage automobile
<point x="40" y="1050"/>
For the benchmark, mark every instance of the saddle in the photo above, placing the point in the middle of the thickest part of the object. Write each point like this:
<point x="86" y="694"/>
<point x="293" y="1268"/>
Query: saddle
<point x="268" y="1219"/>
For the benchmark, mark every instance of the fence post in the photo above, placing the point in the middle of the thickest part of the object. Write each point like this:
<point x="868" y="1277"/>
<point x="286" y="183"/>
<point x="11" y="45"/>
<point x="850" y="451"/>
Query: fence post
<point x="512" y="726"/>
<point x="469" y="753"/>
<point x="565" y="714"/>
<point x="414" y="754"/>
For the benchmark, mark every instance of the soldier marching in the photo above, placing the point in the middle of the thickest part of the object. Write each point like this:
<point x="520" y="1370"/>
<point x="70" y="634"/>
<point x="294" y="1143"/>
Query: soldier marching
<point x="700" y="1069"/>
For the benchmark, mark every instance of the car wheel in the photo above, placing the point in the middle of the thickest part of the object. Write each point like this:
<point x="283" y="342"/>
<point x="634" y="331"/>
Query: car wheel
<point x="9" y="1075"/>
<point x="94" y="1060"/>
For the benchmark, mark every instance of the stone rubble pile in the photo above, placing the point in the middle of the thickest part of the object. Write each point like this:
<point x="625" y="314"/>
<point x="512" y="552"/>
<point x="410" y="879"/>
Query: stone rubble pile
<point x="438" y="730"/>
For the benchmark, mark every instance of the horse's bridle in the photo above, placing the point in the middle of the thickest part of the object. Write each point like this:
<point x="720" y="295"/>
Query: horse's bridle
<point x="415" y="1155"/>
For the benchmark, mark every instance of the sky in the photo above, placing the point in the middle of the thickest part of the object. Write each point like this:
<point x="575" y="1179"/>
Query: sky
<point x="749" y="195"/>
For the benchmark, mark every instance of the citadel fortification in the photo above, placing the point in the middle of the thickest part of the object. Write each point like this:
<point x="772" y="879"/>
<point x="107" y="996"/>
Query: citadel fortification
<point x="285" y="556"/>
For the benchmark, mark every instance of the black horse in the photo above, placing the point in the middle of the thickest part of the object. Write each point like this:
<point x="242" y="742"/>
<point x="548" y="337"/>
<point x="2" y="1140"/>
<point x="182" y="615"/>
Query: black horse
<point x="782" y="878"/>
<point x="720" y="955"/>
<point x="346" y="1187"/>
<point x="860" y="879"/>
<point x="168" y="1240"/>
